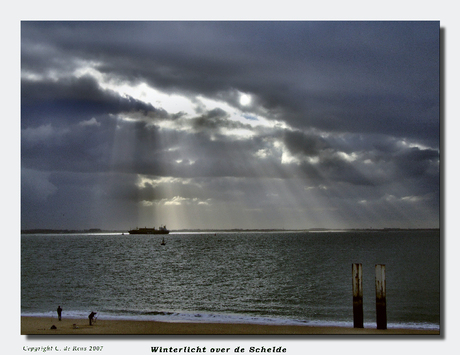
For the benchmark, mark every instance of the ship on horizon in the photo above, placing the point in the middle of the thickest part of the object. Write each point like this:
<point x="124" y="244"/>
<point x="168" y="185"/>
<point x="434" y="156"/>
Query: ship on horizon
<point x="145" y="230"/>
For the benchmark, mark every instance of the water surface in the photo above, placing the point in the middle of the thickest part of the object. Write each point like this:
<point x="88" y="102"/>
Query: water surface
<point x="277" y="277"/>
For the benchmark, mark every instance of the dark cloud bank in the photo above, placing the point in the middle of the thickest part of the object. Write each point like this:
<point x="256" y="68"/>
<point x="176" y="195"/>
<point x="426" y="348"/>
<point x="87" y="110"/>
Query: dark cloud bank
<point x="340" y="128"/>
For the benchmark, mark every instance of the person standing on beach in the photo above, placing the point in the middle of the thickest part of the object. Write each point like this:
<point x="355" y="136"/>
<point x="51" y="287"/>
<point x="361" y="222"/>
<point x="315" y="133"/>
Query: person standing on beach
<point x="59" y="311"/>
<point x="91" y="316"/>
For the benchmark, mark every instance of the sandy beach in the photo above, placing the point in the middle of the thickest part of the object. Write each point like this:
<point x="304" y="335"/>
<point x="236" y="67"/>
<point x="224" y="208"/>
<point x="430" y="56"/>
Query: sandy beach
<point x="38" y="325"/>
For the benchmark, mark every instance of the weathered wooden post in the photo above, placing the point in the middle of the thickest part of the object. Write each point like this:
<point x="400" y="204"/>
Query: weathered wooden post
<point x="380" y="296"/>
<point x="357" y="272"/>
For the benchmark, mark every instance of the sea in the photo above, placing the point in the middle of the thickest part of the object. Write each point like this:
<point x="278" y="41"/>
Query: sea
<point x="277" y="277"/>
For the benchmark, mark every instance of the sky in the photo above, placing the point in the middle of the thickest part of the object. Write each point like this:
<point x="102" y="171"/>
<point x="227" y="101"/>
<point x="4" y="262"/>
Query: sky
<point x="238" y="124"/>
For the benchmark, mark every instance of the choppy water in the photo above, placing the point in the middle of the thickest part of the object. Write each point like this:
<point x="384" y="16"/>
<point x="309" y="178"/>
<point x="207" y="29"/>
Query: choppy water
<point x="288" y="278"/>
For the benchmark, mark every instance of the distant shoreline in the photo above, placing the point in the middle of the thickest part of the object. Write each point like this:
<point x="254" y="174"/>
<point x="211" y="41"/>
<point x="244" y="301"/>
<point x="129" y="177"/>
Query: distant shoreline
<point x="96" y="230"/>
<point x="71" y="231"/>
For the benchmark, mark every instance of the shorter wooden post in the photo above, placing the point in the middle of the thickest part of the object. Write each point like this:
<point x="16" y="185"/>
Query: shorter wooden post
<point x="380" y="296"/>
<point x="357" y="272"/>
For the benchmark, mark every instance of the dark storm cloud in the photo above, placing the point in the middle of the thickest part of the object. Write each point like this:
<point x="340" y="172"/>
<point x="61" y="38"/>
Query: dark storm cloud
<point x="356" y="105"/>
<point x="299" y="143"/>
<point x="213" y="120"/>
<point x="341" y="76"/>
<point x="416" y="162"/>
<point x="74" y="99"/>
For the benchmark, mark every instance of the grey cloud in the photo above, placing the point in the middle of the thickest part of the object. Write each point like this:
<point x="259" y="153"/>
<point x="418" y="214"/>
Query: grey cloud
<point x="36" y="184"/>
<point x="366" y="89"/>
<point x="304" y="144"/>
<point x="212" y="120"/>
<point x="298" y="69"/>
<point x="416" y="161"/>
<point x="76" y="99"/>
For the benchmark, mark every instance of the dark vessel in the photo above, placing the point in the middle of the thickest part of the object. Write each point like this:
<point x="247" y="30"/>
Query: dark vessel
<point x="161" y="230"/>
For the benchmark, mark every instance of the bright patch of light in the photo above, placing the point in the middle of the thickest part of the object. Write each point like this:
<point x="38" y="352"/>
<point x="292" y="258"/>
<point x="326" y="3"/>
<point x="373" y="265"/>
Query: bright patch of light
<point x="50" y="74"/>
<point x="250" y="117"/>
<point x="204" y="203"/>
<point x="237" y="115"/>
<point x="256" y="120"/>
<point x="125" y="117"/>
<point x="419" y="146"/>
<point x="88" y="69"/>
<point x="142" y="92"/>
<point x="320" y="187"/>
<point x="287" y="158"/>
<point x="171" y="103"/>
<point x="174" y="103"/>
<point x="179" y="201"/>
<point x="412" y="198"/>
<point x="176" y="201"/>
<point x="312" y="160"/>
<point x="171" y="125"/>
<point x="29" y="76"/>
<point x="245" y="99"/>
<point x="408" y="144"/>
<point x="211" y="104"/>
<point x="238" y="133"/>
<point x="262" y="153"/>
<point x="142" y="180"/>
<point x="91" y="122"/>
<point x="348" y="157"/>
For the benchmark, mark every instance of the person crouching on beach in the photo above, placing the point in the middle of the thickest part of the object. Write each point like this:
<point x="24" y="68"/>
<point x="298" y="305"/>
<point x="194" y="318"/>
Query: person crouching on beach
<point x="59" y="311"/>
<point x="91" y="316"/>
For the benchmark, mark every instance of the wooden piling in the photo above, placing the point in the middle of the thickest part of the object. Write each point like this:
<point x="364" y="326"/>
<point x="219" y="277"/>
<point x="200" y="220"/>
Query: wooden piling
<point x="380" y="296"/>
<point x="357" y="272"/>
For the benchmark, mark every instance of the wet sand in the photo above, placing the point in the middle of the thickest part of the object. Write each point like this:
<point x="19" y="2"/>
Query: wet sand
<point x="39" y="325"/>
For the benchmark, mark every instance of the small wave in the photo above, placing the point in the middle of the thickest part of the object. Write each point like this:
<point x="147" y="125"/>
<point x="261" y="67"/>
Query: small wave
<point x="199" y="317"/>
